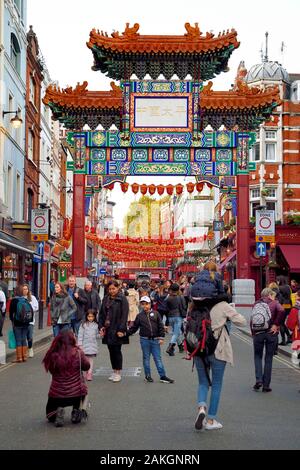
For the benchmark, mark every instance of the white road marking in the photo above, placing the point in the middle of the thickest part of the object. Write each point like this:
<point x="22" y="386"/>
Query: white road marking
<point x="13" y="364"/>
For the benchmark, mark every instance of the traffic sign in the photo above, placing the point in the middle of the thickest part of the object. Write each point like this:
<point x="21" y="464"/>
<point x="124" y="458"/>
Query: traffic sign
<point x="102" y="271"/>
<point x="265" y="223"/>
<point x="39" y="224"/>
<point x="40" y="249"/>
<point x="261" y="249"/>
<point x="265" y="239"/>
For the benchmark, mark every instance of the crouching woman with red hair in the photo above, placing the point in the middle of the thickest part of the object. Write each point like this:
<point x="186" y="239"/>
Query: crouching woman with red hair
<point x="65" y="362"/>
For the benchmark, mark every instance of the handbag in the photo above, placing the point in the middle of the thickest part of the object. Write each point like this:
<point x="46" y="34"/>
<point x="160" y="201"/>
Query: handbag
<point x="11" y="340"/>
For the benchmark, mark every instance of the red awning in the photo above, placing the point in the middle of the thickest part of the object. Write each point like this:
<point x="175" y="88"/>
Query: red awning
<point x="292" y="256"/>
<point x="229" y="258"/>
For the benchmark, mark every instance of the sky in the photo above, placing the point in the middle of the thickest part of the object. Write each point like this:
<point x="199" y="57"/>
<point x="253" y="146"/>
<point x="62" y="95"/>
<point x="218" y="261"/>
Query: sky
<point x="63" y="29"/>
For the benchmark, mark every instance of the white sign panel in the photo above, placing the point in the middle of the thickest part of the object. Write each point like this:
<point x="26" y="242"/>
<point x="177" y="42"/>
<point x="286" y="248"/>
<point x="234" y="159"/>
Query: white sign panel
<point x="39" y="221"/>
<point x="161" y="112"/>
<point x="265" y="223"/>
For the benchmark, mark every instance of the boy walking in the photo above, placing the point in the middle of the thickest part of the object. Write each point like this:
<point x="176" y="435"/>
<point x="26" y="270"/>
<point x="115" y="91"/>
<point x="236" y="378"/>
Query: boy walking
<point x="152" y="334"/>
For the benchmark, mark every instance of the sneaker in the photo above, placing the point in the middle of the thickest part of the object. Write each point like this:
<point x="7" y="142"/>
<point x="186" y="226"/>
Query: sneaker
<point x="166" y="380"/>
<point x="266" y="389"/>
<point x="200" y="418"/>
<point x="149" y="379"/>
<point x="59" y="420"/>
<point x="30" y="352"/>
<point x="112" y="377"/>
<point x="214" y="425"/>
<point x="257" y="386"/>
<point x="117" y="378"/>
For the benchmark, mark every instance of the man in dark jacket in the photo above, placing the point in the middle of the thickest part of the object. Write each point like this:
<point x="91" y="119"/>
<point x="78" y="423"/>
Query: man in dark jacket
<point x="80" y="299"/>
<point x="267" y="339"/>
<point x="93" y="299"/>
<point x="152" y="335"/>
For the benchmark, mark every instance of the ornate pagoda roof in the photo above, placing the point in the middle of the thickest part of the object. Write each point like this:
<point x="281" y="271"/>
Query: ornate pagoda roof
<point x="242" y="106"/>
<point x="201" y="56"/>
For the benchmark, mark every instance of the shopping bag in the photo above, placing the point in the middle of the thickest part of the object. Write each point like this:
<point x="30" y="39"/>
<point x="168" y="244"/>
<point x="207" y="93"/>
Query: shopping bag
<point x="11" y="340"/>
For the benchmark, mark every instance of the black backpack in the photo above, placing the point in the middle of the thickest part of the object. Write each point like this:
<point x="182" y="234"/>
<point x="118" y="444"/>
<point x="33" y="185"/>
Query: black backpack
<point x="199" y="339"/>
<point x="24" y="311"/>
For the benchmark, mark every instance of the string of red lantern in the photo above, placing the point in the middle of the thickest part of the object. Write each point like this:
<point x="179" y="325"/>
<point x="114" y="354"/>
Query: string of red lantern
<point x="161" y="189"/>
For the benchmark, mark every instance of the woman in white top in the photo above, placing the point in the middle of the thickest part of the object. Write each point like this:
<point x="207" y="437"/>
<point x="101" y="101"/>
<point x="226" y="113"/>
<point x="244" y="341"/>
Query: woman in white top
<point x="35" y="307"/>
<point x="2" y="309"/>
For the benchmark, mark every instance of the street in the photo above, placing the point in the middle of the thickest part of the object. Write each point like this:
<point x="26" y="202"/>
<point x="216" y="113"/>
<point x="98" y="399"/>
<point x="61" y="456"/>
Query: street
<point x="134" y="415"/>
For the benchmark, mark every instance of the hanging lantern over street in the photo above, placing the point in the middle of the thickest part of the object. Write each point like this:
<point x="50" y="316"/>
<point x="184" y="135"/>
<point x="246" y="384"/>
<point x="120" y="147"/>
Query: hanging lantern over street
<point x="124" y="187"/>
<point x="170" y="189"/>
<point x="110" y="186"/>
<point x="179" y="189"/>
<point x="143" y="189"/>
<point x="160" y="189"/>
<point x="199" y="187"/>
<point x="190" y="187"/>
<point x="152" y="189"/>
<point x="135" y="188"/>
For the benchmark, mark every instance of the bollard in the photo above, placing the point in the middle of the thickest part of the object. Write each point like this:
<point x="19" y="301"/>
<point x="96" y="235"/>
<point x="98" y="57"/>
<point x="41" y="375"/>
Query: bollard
<point x="41" y="314"/>
<point x="2" y="353"/>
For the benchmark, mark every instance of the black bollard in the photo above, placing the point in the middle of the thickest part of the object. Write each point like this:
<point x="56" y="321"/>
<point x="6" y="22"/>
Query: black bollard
<point x="41" y="314"/>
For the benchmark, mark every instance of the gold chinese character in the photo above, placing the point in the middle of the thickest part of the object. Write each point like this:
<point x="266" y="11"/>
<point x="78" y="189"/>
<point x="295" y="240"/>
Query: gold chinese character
<point x="167" y="112"/>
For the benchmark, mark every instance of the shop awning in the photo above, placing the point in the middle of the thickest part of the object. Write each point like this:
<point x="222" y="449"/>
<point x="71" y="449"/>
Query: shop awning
<point x="229" y="258"/>
<point x="14" y="243"/>
<point x="292" y="256"/>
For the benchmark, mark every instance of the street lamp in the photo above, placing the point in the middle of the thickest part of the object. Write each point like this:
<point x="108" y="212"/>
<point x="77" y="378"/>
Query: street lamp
<point x="16" y="121"/>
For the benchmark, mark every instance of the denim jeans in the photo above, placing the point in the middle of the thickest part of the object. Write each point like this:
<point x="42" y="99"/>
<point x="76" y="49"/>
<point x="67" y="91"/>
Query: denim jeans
<point x="60" y="327"/>
<point x="217" y="373"/>
<point x="30" y="335"/>
<point x="21" y="335"/>
<point x="75" y="326"/>
<point x="175" y="323"/>
<point x="260" y="342"/>
<point x="152" y="346"/>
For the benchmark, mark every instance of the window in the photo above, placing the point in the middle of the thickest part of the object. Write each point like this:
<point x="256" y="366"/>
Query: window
<point x="32" y="90"/>
<point x="9" y="189"/>
<point x="30" y="145"/>
<point x="15" y="53"/>
<point x="19" y="129"/>
<point x="253" y="208"/>
<point x="271" y="135"/>
<point x="29" y="204"/>
<point x="18" y="4"/>
<point x="272" y="193"/>
<point x="270" y="152"/>
<point x="255" y="153"/>
<point x="255" y="193"/>
<point x="18" y="198"/>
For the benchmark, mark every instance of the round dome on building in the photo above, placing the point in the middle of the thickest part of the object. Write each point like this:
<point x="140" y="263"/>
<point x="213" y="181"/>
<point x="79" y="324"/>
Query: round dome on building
<point x="271" y="71"/>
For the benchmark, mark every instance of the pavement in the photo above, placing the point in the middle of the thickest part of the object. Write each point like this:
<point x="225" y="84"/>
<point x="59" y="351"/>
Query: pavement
<point x="39" y="335"/>
<point x="133" y="415"/>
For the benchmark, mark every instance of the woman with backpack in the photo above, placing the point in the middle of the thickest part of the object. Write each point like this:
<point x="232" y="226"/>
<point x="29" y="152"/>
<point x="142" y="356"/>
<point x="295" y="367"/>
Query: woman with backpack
<point x="35" y="308"/>
<point x="21" y="314"/>
<point x="212" y="352"/>
<point x="266" y="317"/>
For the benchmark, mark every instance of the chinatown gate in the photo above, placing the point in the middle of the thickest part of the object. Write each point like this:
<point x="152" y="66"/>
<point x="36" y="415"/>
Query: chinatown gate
<point x="161" y="124"/>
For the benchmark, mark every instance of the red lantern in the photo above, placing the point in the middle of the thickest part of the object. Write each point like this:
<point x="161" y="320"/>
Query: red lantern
<point x="93" y="230"/>
<point x="209" y="185"/>
<point x="135" y="188"/>
<point x="110" y="186"/>
<point x="170" y="189"/>
<point x="179" y="189"/>
<point x="87" y="228"/>
<point x="124" y="187"/>
<point x="190" y="187"/>
<point x="143" y="189"/>
<point x="152" y="189"/>
<point x="160" y="189"/>
<point x="199" y="187"/>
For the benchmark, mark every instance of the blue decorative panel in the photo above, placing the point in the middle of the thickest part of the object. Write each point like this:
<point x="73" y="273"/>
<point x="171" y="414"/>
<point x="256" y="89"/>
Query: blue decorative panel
<point x="139" y="155"/>
<point x="181" y="155"/>
<point x="160" y="155"/>
<point x="119" y="155"/>
<point x="223" y="155"/>
<point x="225" y="139"/>
<point x="202" y="155"/>
<point x="161" y="86"/>
<point x="97" y="168"/>
<point x="176" y="139"/>
<point x="98" y="154"/>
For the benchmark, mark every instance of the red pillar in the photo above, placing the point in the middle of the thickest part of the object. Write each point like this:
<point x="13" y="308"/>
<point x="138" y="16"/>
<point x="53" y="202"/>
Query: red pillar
<point x="78" y="238"/>
<point x="243" y="229"/>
